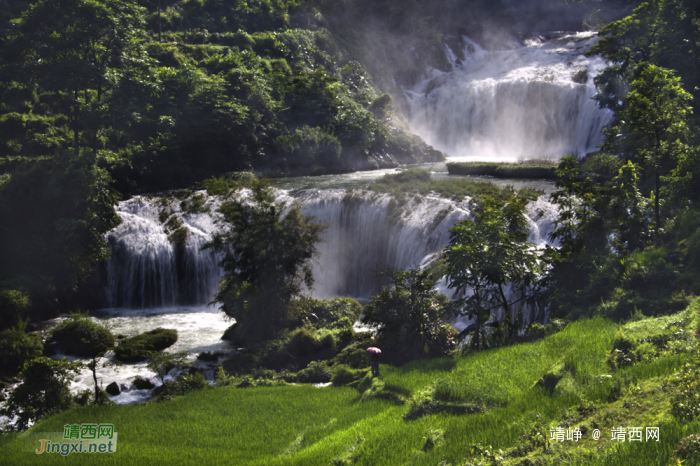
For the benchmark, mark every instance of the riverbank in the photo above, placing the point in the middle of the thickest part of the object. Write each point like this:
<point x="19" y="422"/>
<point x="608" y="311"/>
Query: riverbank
<point x="411" y="415"/>
<point x="504" y="170"/>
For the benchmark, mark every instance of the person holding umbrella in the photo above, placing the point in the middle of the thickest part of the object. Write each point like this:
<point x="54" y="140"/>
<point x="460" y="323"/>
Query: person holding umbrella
<point x="374" y="355"/>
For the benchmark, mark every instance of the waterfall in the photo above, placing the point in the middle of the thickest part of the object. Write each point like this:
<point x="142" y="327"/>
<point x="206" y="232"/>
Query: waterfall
<point x="147" y="270"/>
<point x="532" y="100"/>
<point x="370" y="232"/>
<point x="367" y="233"/>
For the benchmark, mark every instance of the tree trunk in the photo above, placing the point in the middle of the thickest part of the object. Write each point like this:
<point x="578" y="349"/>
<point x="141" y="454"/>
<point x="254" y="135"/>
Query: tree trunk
<point x="657" y="215"/>
<point x="75" y="122"/>
<point x="159" y="38"/>
<point x="98" y="399"/>
<point x="97" y="129"/>
<point x="508" y="318"/>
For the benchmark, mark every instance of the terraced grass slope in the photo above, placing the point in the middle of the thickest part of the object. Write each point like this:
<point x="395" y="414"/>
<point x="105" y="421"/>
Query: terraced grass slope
<point x="484" y="408"/>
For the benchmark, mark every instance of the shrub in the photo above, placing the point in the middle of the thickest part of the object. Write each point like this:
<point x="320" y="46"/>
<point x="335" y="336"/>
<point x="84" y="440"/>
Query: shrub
<point x="302" y="341"/>
<point x="344" y="375"/>
<point x="81" y="336"/>
<point x="14" y="306"/>
<point x="336" y="313"/>
<point x="688" y="447"/>
<point x="240" y="363"/>
<point x="185" y="383"/>
<point x="686" y="404"/>
<point x="315" y="372"/>
<point x="138" y="348"/>
<point x="18" y="347"/>
<point x="44" y="390"/>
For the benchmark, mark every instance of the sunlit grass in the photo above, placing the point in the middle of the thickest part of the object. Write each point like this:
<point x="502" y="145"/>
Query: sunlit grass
<point x="304" y="425"/>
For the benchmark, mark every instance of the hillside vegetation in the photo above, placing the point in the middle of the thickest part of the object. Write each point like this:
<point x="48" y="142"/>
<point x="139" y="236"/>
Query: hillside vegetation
<point x="488" y="408"/>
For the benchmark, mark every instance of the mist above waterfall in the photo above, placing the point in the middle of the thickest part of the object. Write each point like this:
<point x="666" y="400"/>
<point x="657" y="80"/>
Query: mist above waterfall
<point x="531" y="100"/>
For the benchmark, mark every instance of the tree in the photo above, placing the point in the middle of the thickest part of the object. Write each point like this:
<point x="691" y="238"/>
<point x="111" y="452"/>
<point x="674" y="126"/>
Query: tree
<point x="654" y="122"/>
<point x="574" y="197"/>
<point x="266" y="251"/>
<point x="485" y="256"/>
<point x="162" y="363"/>
<point x="625" y="44"/>
<point x="44" y="390"/>
<point x="80" y="50"/>
<point x="81" y="336"/>
<point x="629" y="211"/>
<point x="408" y="317"/>
<point x="51" y="252"/>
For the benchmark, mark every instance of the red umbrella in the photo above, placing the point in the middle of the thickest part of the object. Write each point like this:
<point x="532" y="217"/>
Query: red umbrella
<point x="374" y="350"/>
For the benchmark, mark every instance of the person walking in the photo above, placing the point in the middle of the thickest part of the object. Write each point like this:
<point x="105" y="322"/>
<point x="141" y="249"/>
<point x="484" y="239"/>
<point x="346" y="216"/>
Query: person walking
<point x="374" y="355"/>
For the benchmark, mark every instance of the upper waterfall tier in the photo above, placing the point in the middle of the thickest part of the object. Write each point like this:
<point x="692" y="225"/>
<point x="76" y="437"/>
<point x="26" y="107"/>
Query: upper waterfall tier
<point x="367" y="232"/>
<point x="532" y="100"/>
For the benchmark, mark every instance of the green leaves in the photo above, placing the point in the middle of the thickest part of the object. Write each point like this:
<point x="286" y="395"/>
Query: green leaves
<point x="266" y="249"/>
<point x="408" y="317"/>
<point x="487" y="255"/>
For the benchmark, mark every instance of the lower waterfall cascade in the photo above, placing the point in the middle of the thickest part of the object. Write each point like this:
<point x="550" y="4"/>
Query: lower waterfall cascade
<point x="367" y="232"/>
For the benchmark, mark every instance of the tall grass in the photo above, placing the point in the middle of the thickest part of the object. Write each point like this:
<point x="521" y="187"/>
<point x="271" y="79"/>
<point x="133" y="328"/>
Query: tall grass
<point x="304" y="425"/>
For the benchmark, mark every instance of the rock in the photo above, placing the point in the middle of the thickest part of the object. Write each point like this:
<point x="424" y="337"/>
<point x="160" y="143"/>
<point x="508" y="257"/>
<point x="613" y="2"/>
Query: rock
<point x="549" y="381"/>
<point x="143" y="384"/>
<point x="139" y="347"/>
<point x="230" y="333"/>
<point x="124" y="387"/>
<point x="113" y="389"/>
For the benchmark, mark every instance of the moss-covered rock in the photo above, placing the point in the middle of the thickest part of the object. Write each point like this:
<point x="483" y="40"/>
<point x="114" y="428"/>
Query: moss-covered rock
<point x="138" y="348"/>
<point x="80" y="336"/>
<point x="143" y="384"/>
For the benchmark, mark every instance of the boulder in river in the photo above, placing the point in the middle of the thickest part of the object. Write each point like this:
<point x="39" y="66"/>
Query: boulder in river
<point x="143" y="384"/>
<point x="113" y="389"/>
<point x="139" y="347"/>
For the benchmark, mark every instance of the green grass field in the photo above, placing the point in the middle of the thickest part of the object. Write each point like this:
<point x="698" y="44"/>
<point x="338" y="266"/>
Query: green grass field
<point x="304" y="425"/>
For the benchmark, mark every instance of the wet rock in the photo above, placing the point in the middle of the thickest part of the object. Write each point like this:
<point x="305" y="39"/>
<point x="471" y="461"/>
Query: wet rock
<point x="113" y="389"/>
<point x="143" y="384"/>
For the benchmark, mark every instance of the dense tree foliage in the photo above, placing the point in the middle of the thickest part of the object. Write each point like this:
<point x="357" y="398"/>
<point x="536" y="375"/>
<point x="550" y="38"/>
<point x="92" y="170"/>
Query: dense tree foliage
<point x="17" y="347"/>
<point x="44" y="391"/>
<point x="409" y="317"/>
<point x="266" y="251"/>
<point x="495" y="272"/>
<point x="628" y="221"/>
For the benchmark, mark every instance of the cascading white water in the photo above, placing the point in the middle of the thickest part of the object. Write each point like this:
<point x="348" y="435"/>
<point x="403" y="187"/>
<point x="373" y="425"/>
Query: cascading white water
<point x="367" y="233"/>
<point x="147" y="270"/>
<point x="523" y="102"/>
